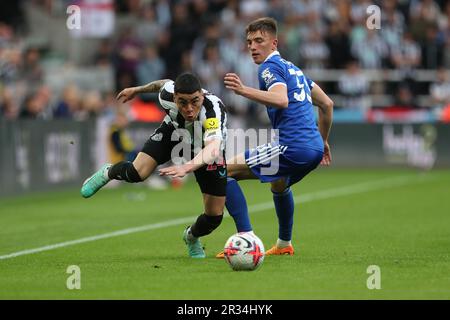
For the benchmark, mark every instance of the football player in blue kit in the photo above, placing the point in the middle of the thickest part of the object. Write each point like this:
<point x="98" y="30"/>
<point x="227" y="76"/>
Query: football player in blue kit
<point x="300" y="144"/>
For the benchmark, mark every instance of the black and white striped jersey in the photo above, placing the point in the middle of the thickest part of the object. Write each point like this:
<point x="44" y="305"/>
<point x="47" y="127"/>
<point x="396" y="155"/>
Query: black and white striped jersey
<point x="212" y="119"/>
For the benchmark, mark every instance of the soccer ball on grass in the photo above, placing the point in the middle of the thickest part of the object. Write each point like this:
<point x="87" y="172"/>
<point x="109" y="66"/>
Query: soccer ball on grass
<point x="244" y="251"/>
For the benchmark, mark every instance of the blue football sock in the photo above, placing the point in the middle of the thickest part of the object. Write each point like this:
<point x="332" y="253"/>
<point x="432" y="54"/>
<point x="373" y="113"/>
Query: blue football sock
<point x="284" y="206"/>
<point x="237" y="206"/>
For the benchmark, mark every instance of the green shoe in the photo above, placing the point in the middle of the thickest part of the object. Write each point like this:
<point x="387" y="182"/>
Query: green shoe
<point x="92" y="184"/>
<point x="195" y="248"/>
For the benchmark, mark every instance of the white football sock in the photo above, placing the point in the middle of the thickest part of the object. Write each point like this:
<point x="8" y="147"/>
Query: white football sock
<point x="283" y="243"/>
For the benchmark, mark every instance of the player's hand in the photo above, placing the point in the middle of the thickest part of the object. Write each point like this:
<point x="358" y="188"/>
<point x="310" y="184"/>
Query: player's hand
<point x="326" y="160"/>
<point x="233" y="82"/>
<point x="127" y="94"/>
<point x="175" y="171"/>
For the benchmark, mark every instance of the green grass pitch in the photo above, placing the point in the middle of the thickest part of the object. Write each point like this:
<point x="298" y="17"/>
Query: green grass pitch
<point x="345" y="221"/>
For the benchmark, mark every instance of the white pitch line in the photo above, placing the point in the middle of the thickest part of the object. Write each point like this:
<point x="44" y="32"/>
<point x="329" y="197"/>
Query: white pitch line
<point x="308" y="197"/>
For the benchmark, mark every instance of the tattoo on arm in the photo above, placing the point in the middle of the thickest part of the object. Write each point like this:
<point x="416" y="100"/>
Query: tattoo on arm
<point x="153" y="86"/>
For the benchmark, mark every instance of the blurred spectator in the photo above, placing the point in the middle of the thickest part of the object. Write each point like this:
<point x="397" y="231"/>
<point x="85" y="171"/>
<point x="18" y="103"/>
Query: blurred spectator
<point x="31" y="69"/>
<point x="292" y="41"/>
<point x="33" y="108"/>
<point x="338" y="44"/>
<point x="163" y="14"/>
<point x="432" y="49"/>
<point x="212" y="70"/>
<point x="444" y="19"/>
<point x="405" y="98"/>
<point x="69" y="105"/>
<point x="314" y="52"/>
<point x="150" y="68"/>
<point x="104" y="55"/>
<point x="252" y="9"/>
<point x="187" y="64"/>
<point x="358" y="9"/>
<point x="406" y="55"/>
<point x="10" y="65"/>
<point x="199" y="12"/>
<point x="12" y="13"/>
<point x="423" y="14"/>
<point x="182" y="35"/>
<point x="370" y="50"/>
<point x="148" y="29"/>
<point x="44" y="96"/>
<point x="8" y="108"/>
<point x="230" y="48"/>
<point x="238" y="106"/>
<point x="353" y="85"/>
<point x="120" y="146"/>
<point x="129" y="53"/>
<point x="446" y="57"/>
<point x="393" y="23"/>
<point x="277" y="9"/>
<point x="428" y="10"/>
<point x="440" y="90"/>
<point x="211" y="35"/>
<point x="91" y="106"/>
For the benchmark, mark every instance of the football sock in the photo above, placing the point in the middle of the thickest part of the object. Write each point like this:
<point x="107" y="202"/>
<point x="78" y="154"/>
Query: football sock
<point x="283" y="244"/>
<point x="205" y="225"/>
<point x="237" y="206"/>
<point x="284" y="206"/>
<point x="124" y="170"/>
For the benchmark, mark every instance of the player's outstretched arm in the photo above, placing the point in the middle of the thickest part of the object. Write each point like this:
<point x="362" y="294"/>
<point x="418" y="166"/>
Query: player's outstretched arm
<point x="325" y="105"/>
<point x="129" y="93"/>
<point x="207" y="155"/>
<point x="275" y="97"/>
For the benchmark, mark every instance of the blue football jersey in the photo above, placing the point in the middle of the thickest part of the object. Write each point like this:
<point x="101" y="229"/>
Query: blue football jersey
<point x="296" y="124"/>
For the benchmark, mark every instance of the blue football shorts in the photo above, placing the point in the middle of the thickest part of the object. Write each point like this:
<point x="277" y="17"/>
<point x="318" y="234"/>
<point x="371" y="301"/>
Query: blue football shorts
<point x="270" y="162"/>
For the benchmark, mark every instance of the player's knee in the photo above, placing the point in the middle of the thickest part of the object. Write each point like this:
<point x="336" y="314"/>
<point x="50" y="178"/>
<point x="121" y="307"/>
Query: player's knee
<point x="215" y="209"/>
<point x="278" y="186"/>
<point x="144" y="165"/>
<point x="214" y="205"/>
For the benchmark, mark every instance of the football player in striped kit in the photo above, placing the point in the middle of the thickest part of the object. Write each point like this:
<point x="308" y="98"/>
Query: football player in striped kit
<point x="194" y="129"/>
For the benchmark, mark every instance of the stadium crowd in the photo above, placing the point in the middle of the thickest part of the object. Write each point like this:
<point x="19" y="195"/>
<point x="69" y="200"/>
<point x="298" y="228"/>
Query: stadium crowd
<point x="167" y="37"/>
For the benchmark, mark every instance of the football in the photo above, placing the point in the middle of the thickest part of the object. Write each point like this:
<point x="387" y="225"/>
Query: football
<point x="244" y="251"/>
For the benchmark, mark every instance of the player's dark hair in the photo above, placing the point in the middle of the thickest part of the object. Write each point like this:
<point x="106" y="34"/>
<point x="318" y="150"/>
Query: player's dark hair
<point x="187" y="83"/>
<point x="265" y="24"/>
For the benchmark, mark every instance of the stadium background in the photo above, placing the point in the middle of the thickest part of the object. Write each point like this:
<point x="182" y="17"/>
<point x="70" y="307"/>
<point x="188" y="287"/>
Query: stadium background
<point x="391" y="89"/>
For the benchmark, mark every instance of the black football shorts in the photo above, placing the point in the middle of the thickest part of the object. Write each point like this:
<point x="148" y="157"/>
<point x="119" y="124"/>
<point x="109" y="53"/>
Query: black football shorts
<point x="212" y="178"/>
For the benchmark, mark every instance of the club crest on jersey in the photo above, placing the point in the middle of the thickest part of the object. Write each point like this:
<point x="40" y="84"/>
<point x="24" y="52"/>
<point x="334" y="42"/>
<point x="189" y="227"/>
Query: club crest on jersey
<point x="157" y="137"/>
<point x="267" y="76"/>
